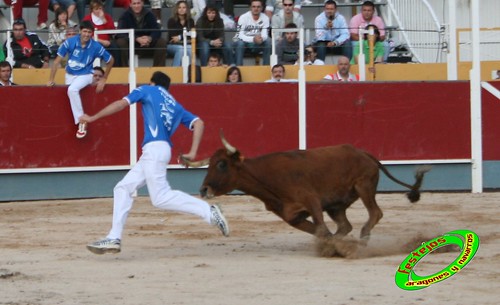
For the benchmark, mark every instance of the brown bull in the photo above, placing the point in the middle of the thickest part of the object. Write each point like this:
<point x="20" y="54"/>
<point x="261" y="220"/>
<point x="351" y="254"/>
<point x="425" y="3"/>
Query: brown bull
<point x="297" y="184"/>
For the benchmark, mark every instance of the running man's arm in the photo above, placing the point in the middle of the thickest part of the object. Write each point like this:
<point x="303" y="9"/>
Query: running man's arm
<point x="198" y="128"/>
<point x="108" y="110"/>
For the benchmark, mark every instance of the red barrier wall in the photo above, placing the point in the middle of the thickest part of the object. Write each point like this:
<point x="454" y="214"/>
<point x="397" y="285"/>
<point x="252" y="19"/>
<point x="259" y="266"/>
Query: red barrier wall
<point x="394" y="121"/>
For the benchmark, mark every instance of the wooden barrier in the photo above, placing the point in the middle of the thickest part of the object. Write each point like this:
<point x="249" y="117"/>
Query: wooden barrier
<point x="394" y="121"/>
<point x="251" y="74"/>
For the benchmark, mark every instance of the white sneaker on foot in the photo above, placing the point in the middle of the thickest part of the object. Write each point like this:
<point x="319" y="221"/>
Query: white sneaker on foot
<point x="82" y="130"/>
<point x="106" y="245"/>
<point x="219" y="220"/>
<point x="42" y="26"/>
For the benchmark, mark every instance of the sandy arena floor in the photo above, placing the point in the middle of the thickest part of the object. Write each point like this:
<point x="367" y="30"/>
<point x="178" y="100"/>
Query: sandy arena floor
<point x="170" y="258"/>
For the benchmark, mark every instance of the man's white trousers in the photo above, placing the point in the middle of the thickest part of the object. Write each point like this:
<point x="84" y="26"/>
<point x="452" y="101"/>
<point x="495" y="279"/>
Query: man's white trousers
<point x="151" y="170"/>
<point x="77" y="83"/>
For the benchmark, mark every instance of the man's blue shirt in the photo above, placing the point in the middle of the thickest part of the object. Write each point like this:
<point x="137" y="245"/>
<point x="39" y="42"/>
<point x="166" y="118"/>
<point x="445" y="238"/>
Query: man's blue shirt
<point x="161" y="112"/>
<point x="81" y="59"/>
<point x="339" y="33"/>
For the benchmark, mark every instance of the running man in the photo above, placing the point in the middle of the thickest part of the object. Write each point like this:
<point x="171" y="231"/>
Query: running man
<point x="162" y="115"/>
<point x="82" y="50"/>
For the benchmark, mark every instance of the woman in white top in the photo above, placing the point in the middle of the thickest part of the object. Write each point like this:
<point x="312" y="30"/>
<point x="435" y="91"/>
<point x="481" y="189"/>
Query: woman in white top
<point x="57" y="30"/>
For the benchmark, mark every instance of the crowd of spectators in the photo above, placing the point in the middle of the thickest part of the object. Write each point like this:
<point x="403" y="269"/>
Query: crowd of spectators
<point x="332" y="33"/>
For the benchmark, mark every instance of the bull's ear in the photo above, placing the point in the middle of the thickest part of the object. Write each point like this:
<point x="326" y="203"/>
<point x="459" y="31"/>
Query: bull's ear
<point x="237" y="156"/>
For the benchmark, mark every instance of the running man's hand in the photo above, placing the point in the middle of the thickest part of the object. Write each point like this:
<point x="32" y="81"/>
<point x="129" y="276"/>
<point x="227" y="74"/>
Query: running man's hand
<point x="85" y="119"/>
<point x="190" y="156"/>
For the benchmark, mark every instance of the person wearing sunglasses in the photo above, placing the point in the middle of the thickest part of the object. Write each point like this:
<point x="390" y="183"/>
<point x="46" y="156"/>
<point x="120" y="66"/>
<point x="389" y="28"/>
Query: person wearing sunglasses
<point x="285" y="16"/>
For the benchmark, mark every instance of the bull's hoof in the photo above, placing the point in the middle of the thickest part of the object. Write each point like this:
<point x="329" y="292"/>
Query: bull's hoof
<point x="337" y="246"/>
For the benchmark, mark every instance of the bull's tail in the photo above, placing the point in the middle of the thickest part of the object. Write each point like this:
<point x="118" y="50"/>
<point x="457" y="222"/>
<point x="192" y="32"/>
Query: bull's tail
<point x="414" y="193"/>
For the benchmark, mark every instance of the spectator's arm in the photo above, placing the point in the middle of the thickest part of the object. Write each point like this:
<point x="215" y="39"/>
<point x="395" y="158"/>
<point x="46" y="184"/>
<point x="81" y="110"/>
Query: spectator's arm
<point x="319" y="25"/>
<point x="343" y="31"/>
<point x="151" y="23"/>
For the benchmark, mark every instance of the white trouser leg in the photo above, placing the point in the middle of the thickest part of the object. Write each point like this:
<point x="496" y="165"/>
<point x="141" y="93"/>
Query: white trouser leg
<point x="151" y="169"/>
<point x="123" y="200"/>
<point x="162" y="196"/>
<point x="77" y="83"/>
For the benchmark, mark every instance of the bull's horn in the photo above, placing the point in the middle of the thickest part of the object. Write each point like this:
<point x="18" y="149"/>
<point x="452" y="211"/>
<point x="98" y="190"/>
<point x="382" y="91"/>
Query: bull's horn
<point x="189" y="163"/>
<point x="230" y="149"/>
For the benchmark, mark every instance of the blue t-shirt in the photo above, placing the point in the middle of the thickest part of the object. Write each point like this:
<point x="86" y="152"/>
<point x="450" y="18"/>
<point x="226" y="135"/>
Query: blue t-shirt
<point x="161" y="112"/>
<point x="81" y="60"/>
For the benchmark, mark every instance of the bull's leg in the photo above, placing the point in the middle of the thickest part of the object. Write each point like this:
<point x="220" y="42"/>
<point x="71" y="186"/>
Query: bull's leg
<point x="299" y="221"/>
<point x="340" y="218"/>
<point x="374" y="214"/>
<point x="367" y="195"/>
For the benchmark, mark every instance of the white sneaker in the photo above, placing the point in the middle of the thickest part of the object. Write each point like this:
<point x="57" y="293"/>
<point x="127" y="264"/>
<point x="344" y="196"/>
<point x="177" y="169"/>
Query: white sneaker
<point x="41" y="26"/>
<point x="106" y="245"/>
<point x="82" y="130"/>
<point x="219" y="220"/>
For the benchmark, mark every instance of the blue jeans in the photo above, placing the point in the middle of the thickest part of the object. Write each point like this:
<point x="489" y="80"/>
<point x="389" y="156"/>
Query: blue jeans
<point x="205" y="49"/>
<point x="344" y="49"/>
<point x="240" y="47"/>
<point x="177" y="50"/>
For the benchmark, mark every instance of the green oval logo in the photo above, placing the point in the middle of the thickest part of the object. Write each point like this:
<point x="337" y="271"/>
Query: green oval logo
<point x="407" y="279"/>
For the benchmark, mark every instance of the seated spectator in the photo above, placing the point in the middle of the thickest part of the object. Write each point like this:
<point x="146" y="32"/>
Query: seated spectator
<point x="147" y="34"/>
<point x="288" y="49"/>
<point x="310" y="56"/>
<point x="362" y="20"/>
<point x="332" y="32"/>
<point x="5" y="74"/>
<point x="108" y="6"/>
<point x="97" y="75"/>
<point x="68" y="5"/>
<point x="252" y="35"/>
<point x="210" y="36"/>
<point x="278" y="75"/>
<point x="57" y="30"/>
<point x="233" y="75"/>
<point x="343" y="73"/>
<point x="181" y="18"/>
<point x="43" y="9"/>
<point x="285" y="16"/>
<point x="378" y="49"/>
<point x="214" y="60"/>
<point x="274" y="7"/>
<point x="104" y="21"/>
<point x="498" y="74"/>
<point x="28" y="50"/>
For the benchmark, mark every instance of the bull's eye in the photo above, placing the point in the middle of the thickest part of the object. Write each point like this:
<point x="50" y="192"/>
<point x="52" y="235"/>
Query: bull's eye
<point x="222" y="165"/>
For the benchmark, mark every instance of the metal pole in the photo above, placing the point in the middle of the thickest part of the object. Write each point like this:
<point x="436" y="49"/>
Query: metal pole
<point x="185" y="57"/>
<point x="451" y="57"/>
<point x="475" y="103"/>
<point x="361" y="56"/>
<point x="302" y="94"/>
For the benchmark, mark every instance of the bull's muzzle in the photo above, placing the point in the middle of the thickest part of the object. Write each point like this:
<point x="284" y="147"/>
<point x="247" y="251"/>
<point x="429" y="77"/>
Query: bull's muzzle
<point x="206" y="192"/>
